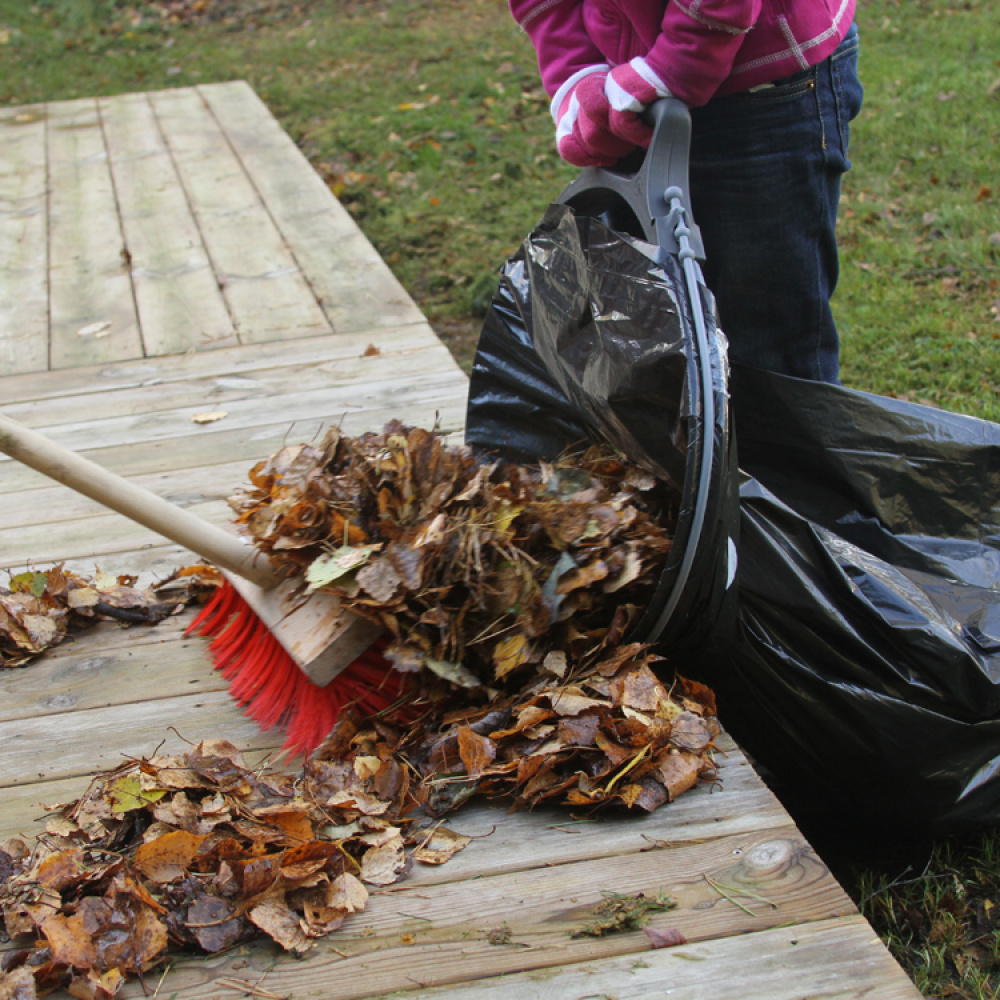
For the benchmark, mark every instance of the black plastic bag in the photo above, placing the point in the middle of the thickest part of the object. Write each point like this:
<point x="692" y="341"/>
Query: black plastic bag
<point x="857" y="655"/>
<point x="591" y="336"/>
<point x="865" y="670"/>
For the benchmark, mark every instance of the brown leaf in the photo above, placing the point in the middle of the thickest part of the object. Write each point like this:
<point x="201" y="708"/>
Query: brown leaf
<point x="384" y="865"/>
<point x="582" y="576"/>
<point x="211" y="920"/>
<point x="678" y="772"/>
<point x="380" y="578"/>
<point x="572" y="701"/>
<point x="167" y="858"/>
<point x="477" y="752"/>
<point x="18" y="984"/>
<point x="281" y="923"/>
<point x="510" y="653"/>
<point x="61" y="869"/>
<point x="691" y="732"/>
<point x="95" y="985"/>
<point x="441" y="846"/>
<point x="638" y="689"/>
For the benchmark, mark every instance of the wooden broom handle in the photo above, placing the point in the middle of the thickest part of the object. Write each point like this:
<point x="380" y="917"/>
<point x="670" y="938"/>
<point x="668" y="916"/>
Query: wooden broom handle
<point x="142" y="506"/>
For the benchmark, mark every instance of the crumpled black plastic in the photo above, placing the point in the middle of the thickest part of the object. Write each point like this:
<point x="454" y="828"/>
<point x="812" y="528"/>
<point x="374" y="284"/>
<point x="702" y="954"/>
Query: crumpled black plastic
<point x="844" y="602"/>
<point x="590" y="336"/>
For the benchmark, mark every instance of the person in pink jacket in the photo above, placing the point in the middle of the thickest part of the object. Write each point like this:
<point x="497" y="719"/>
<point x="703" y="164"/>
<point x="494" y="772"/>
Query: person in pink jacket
<point x="772" y="86"/>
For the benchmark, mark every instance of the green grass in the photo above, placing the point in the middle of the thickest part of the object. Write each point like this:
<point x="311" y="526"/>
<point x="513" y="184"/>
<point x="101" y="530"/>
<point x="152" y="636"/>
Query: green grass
<point x="942" y="921"/>
<point x="919" y="300"/>
<point x="428" y="122"/>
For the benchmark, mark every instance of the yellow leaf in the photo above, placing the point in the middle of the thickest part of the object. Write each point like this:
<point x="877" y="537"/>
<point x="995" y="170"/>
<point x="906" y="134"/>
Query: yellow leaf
<point x="509" y="654"/>
<point x="127" y="794"/>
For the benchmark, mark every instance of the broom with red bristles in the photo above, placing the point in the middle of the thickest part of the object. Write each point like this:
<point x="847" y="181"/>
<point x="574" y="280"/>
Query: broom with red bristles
<point x="294" y="661"/>
<point x="274" y="690"/>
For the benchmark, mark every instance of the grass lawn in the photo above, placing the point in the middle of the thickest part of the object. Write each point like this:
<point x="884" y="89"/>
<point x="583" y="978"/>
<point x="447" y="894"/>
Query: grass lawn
<point x="428" y="122"/>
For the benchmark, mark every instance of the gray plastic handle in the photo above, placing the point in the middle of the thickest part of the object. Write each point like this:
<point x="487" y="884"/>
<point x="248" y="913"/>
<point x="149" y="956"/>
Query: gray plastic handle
<point x="600" y="191"/>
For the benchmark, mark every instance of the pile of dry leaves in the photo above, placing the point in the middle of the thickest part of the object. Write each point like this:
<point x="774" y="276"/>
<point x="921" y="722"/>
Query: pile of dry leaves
<point x="40" y="608"/>
<point x="478" y="571"/>
<point x="198" y="851"/>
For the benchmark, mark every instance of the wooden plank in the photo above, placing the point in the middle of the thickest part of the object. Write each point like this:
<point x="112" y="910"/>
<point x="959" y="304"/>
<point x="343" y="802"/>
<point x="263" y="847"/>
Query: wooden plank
<point x="218" y="392"/>
<point x="107" y="534"/>
<point x="178" y="299"/>
<point x="109" y="665"/>
<point x="97" y="739"/>
<point x="24" y="281"/>
<point x="150" y="565"/>
<point x="396" y="392"/>
<point x="439" y="404"/>
<point x="507" y="843"/>
<point x="185" y="488"/>
<point x="399" y="342"/>
<point x="827" y="960"/>
<point x="90" y="286"/>
<point x="353" y="283"/>
<point x="268" y="297"/>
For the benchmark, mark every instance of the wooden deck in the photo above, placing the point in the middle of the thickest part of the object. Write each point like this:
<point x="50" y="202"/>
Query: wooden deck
<point x="172" y="254"/>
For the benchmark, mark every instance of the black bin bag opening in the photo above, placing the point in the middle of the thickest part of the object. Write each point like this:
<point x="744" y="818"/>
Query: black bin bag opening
<point x="590" y="337"/>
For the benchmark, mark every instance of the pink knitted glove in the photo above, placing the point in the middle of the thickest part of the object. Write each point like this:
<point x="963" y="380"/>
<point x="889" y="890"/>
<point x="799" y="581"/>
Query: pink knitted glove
<point x="580" y="109"/>
<point x="630" y="88"/>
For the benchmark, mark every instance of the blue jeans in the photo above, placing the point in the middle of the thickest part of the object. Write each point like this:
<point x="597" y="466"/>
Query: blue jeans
<point x="765" y="181"/>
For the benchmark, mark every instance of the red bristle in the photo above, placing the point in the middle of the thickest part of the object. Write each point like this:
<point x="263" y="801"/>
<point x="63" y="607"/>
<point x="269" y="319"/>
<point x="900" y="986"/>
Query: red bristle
<point x="267" y="683"/>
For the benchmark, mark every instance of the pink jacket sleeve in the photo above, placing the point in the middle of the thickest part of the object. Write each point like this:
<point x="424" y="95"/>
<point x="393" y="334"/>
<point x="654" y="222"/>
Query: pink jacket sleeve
<point x="698" y="43"/>
<point x="692" y="52"/>
<point x="557" y="32"/>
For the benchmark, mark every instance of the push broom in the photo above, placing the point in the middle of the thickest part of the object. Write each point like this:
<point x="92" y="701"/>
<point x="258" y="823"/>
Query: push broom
<point x="292" y="662"/>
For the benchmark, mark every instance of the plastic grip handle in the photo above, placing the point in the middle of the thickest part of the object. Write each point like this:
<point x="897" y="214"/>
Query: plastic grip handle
<point x="600" y="191"/>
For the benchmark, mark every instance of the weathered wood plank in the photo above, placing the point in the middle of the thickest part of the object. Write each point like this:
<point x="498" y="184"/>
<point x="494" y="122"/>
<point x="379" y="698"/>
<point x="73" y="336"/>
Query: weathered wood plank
<point x="82" y="742"/>
<point x="508" y="843"/>
<point x="24" y="280"/>
<point x="90" y="286"/>
<point x="109" y="665"/>
<point x="177" y="295"/>
<point x="838" y="959"/>
<point x="105" y="535"/>
<point x="400" y="343"/>
<point x="250" y="445"/>
<point x="396" y="392"/>
<point x="216" y="392"/>
<point x="267" y="295"/>
<point x="353" y="283"/>
<point x="150" y="565"/>
<point x="184" y="487"/>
